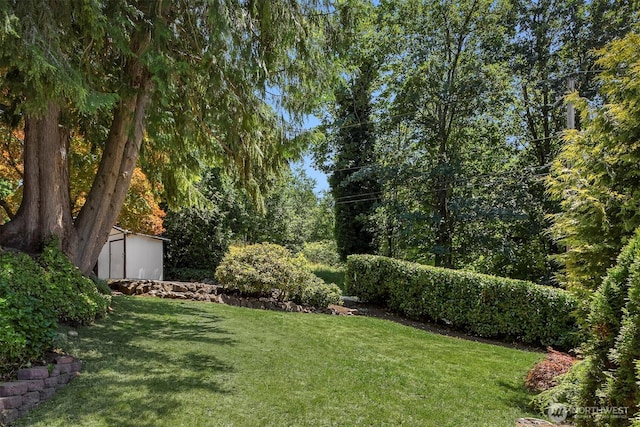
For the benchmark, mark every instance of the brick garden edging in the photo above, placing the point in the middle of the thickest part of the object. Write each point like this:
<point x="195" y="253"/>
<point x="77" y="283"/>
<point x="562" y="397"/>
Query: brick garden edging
<point x="35" y="385"/>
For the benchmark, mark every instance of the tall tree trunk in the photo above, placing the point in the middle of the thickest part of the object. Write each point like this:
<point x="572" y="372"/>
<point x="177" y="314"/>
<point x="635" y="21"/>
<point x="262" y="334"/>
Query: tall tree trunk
<point x="106" y="197"/>
<point x="444" y="239"/>
<point x="46" y="206"/>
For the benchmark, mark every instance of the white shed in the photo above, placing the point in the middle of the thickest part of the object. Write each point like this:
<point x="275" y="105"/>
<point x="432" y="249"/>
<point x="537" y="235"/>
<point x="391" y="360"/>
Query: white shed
<point x="128" y="255"/>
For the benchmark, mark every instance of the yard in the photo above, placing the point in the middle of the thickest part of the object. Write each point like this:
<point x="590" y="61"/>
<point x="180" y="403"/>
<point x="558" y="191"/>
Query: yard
<point x="157" y="362"/>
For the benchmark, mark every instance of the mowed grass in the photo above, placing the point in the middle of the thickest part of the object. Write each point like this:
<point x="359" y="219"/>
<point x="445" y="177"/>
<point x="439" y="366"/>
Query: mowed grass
<point x="157" y="362"/>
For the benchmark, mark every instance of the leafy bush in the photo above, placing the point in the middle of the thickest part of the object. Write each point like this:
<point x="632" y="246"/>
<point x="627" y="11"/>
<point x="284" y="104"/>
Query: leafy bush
<point x="259" y="269"/>
<point x="566" y="392"/>
<point x="545" y="374"/>
<point x="27" y="324"/>
<point x="324" y="252"/>
<point x="73" y="296"/>
<point x="320" y="295"/>
<point x="482" y="305"/>
<point x="33" y="296"/>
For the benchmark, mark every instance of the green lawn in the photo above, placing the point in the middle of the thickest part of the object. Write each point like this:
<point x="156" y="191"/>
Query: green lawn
<point x="157" y="362"/>
<point x="329" y="274"/>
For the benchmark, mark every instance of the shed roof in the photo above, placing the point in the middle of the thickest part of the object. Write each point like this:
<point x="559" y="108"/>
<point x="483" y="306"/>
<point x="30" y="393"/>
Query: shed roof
<point x="124" y="231"/>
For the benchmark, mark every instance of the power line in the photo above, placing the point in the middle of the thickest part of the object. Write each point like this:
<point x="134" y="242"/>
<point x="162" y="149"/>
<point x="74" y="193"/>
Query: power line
<point x="374" y="193"/>
<point x="456" y="183"/>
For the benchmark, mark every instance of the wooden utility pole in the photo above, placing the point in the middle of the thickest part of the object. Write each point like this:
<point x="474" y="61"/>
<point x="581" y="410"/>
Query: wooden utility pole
<point x="571" y="111"/>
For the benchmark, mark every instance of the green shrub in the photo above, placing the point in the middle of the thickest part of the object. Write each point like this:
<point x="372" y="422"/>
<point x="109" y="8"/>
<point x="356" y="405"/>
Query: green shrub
<point x="481" y="305"/>
<point x="27" y="324"/>
<point x="34" y="295"/>
<point x="187" y="274"/>
<point x="259" y="269"/>
<point x="320" y="295"/>
<point x="613" y="348"/>
<point x="567" y="392"/>
<point x="324" y="252"/>
<point x="73" y="296"/>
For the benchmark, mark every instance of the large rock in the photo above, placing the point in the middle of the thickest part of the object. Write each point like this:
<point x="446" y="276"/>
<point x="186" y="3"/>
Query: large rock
<point x="534" y="422"/>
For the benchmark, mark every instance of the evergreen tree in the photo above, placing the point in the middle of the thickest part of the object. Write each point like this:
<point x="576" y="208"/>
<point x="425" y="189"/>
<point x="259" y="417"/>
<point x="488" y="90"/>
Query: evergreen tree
<point x="612" y="351"/>
<point x="353" y="185"/>
<point x="595" y="176"/>
<point x="182" y="83"/>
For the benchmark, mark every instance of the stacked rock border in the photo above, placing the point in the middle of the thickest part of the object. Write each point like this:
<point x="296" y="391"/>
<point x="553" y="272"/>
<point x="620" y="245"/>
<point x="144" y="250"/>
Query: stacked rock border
<point x="35" y="385"/>
<point x="207" y="292"/>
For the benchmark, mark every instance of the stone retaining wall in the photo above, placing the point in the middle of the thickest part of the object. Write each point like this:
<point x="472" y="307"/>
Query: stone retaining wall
<point x="206" y="292"/>
<point x="35" y="385"/>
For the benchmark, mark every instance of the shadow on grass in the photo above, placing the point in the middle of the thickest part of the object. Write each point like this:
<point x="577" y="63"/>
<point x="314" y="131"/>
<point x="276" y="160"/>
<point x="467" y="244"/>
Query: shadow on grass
<point x="144" y="362"/>
<point x="516" y="395"/>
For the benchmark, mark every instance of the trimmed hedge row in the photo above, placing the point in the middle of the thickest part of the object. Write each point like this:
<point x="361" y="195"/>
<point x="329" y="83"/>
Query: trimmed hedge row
<point x="479" y="304"/>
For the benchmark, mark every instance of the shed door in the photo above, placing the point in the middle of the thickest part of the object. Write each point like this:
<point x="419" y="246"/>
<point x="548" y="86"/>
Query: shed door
<point x="116" y="259"/>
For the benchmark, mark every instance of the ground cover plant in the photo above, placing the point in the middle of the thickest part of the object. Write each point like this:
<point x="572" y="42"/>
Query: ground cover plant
<point x="156" y="362"/>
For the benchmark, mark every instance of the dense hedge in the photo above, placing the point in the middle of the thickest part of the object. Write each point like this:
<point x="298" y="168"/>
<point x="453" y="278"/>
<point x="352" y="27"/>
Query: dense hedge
<point x="34" y="295"/>
<point x="481" y="305"/>
<point x="187" y="274"/>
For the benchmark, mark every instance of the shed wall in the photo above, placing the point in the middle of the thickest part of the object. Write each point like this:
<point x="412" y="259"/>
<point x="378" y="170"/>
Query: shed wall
<point x="143" y="257"/>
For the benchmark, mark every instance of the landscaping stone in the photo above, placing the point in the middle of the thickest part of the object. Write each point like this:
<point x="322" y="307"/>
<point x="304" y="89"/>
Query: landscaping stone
<point x="11" y="402"/>
<point x="63" y="360"/>
<point x="50" y="382"/>
<point x="13" y="388"/>
<point x="8" y="416"/>
<point x="63" y="379"/>
<point x="208" y="292"/>
<point x="37" y="373"/>
<point x="35" y="385"/>
<point x="177" y="287"/>
<point x="47" y="393"/>
<point x="64" y="368"/>
<point x="76" y="366"/>
<point x="32" y="397"/>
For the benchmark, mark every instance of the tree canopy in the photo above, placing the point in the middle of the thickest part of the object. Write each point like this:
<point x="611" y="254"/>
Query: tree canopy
<point x="596" y="176"/>
<point x="173" y="85"/>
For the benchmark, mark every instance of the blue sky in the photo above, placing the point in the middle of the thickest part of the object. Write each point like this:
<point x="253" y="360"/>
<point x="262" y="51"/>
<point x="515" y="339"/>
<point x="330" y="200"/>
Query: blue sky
<point x="320" y="177"/>
<point x="307" y="162"/>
